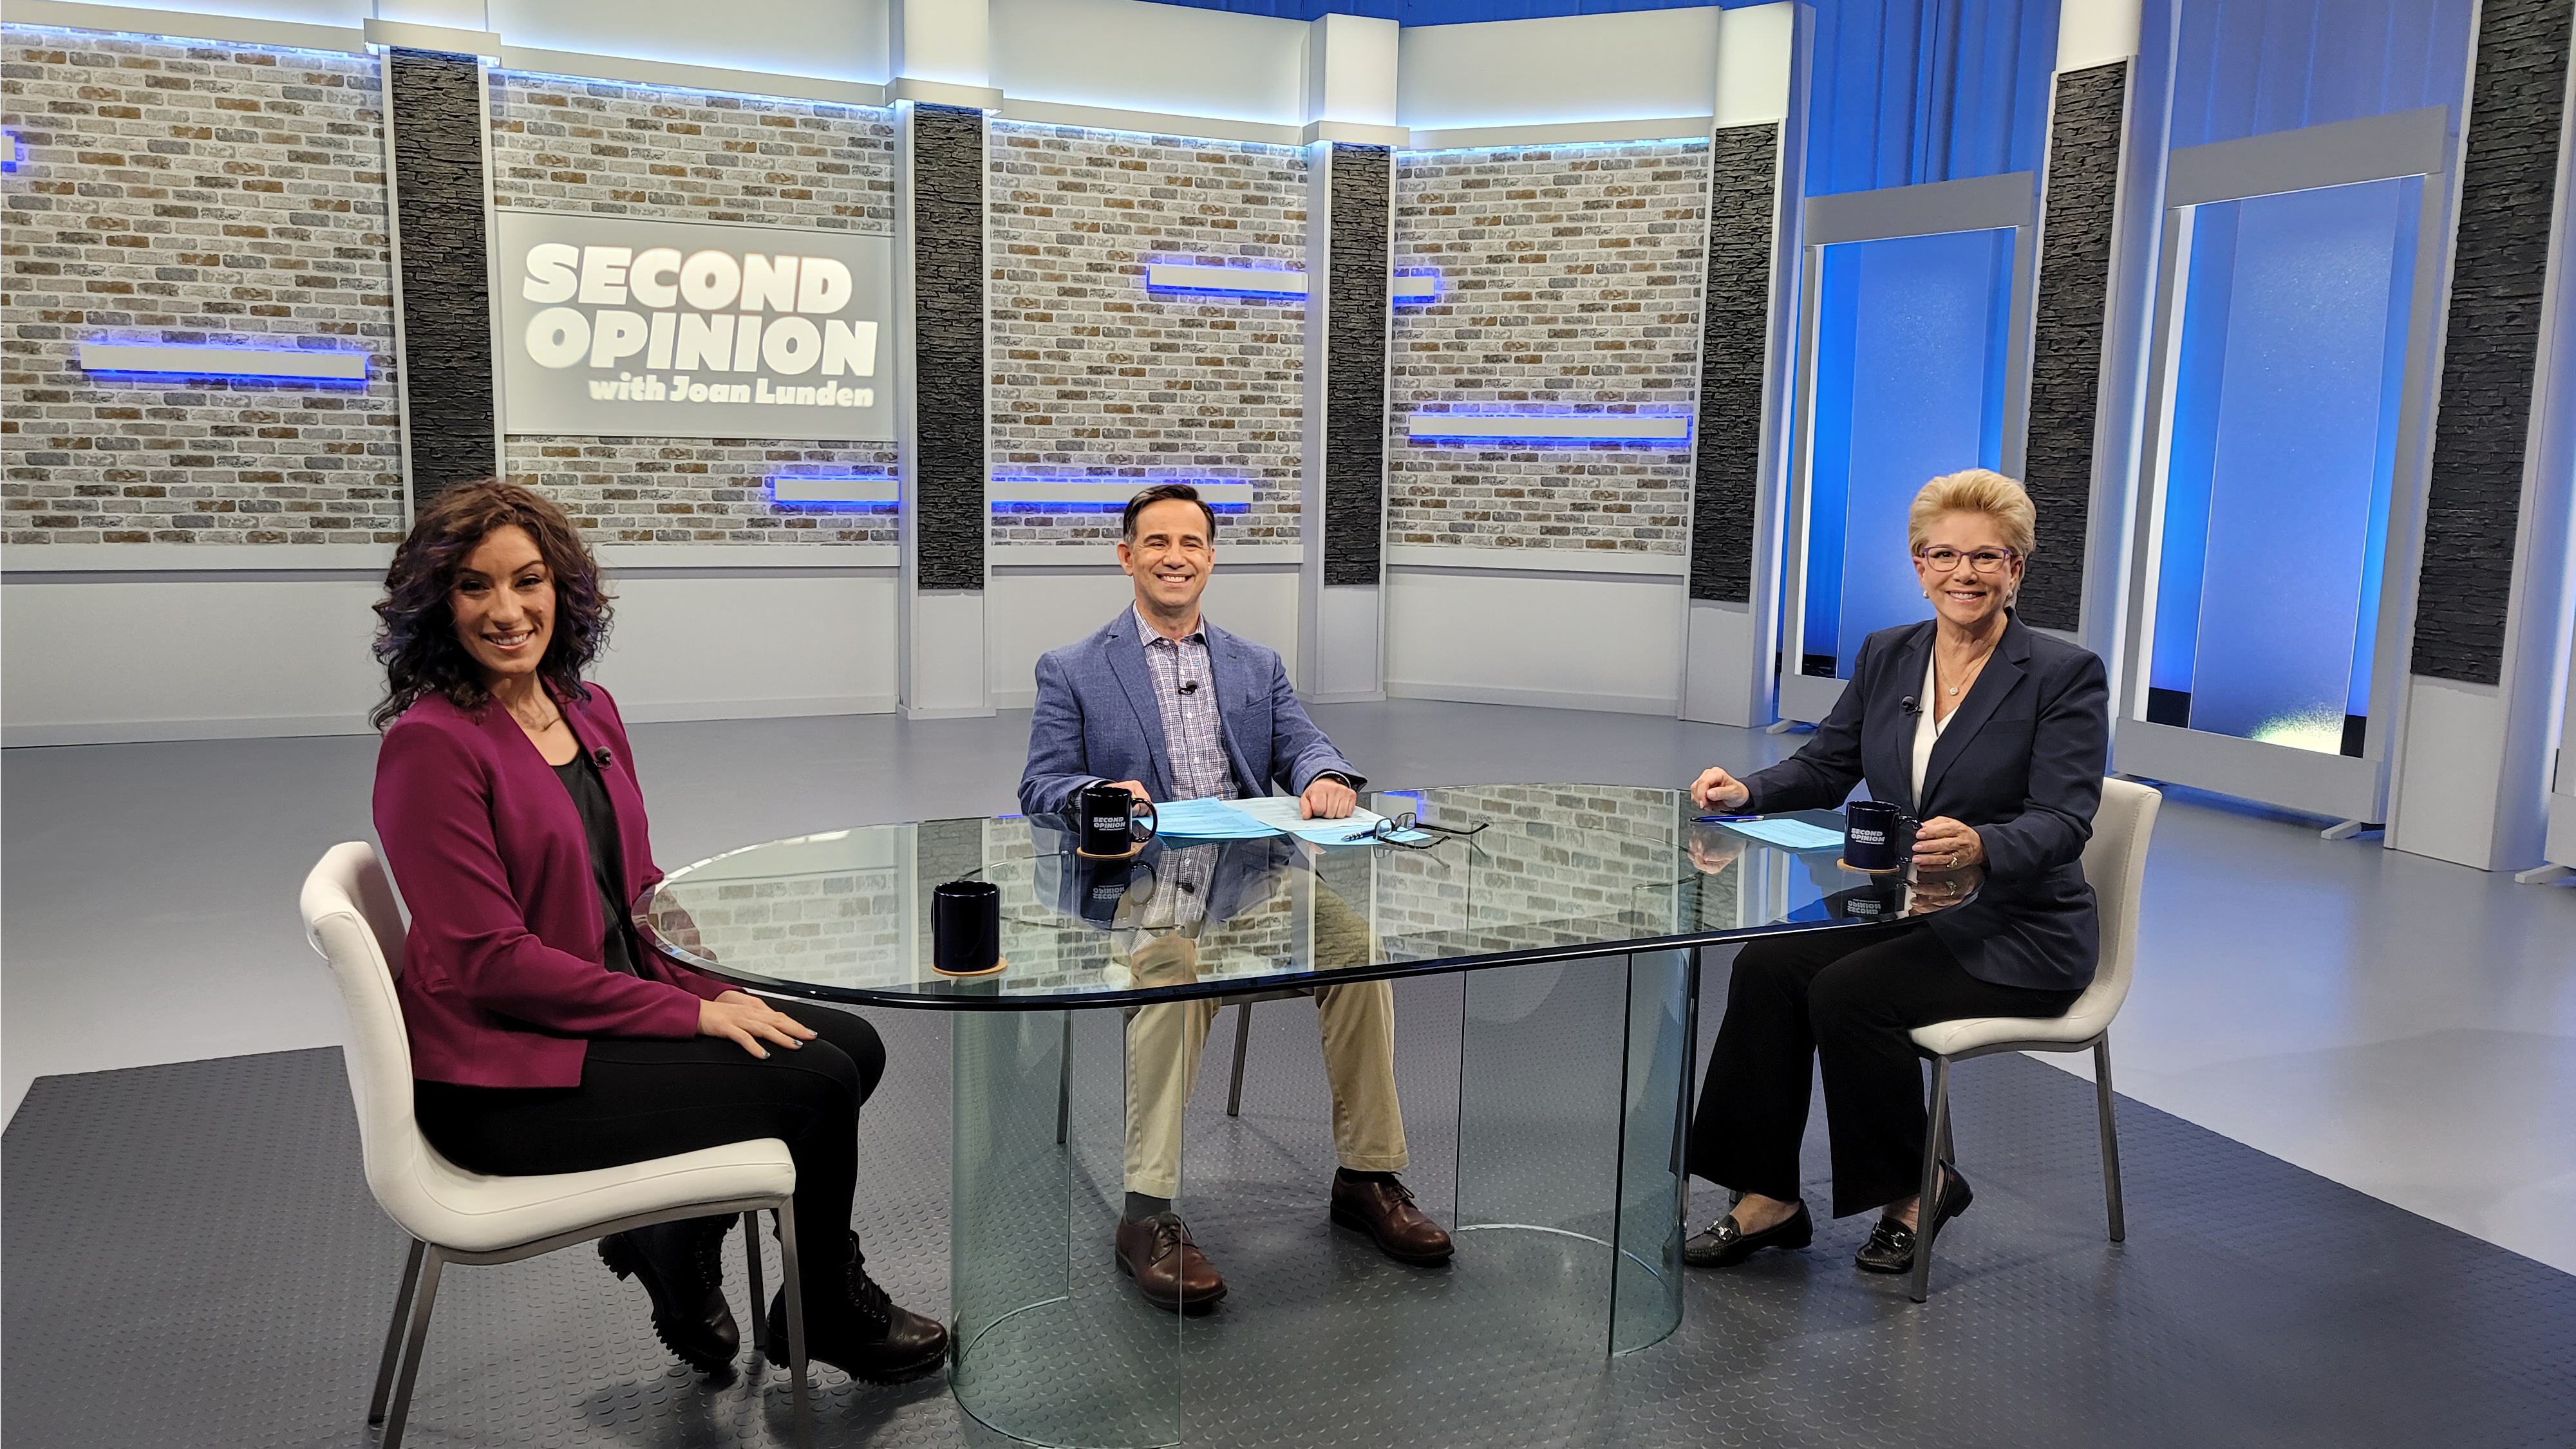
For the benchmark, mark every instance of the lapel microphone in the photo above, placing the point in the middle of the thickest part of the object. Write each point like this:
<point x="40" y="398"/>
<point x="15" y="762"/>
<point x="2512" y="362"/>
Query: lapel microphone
<point x="1189" y="686"/>
<point x="602" y="758"/>
<point x="1907" y="704"/>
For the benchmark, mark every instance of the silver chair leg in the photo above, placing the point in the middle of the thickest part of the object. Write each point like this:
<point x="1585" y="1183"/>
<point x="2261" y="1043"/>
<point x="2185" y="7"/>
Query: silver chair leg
<point x="393" y="1332"/>
<point x="431" y="1261"/>
<point x="1927" y="1204"/>
<point x="1242" y="1039"/>
<point x="759" y="1299"/>
<point x="2110" y="1137"/>
<point x="1064" y="1084"/>
<point x="794" y="1289"/>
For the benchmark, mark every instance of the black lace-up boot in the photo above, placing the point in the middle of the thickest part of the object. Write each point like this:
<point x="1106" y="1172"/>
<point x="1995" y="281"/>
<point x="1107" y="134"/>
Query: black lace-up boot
<point x="859" y="1330"/>
<point x="681" y="1266"/>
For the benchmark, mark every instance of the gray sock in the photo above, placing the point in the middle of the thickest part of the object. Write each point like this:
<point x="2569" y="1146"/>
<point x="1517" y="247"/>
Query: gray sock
<point x="1141" y="1207"/>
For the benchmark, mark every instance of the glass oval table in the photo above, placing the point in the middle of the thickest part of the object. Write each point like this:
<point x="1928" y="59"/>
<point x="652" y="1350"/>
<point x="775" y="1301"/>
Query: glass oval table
<point x="1573" y="911"/>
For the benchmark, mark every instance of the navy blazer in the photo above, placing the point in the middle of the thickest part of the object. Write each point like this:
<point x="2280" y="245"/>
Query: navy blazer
<point x="2021" y="762"/>
<point x="1097" y="719"/>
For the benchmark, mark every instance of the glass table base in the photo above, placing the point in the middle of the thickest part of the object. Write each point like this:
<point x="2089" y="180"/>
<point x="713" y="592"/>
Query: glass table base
<point x="1568" y="1212"/>
<point x="1572" y="1082"/>
<point x="1047" y="1350"/>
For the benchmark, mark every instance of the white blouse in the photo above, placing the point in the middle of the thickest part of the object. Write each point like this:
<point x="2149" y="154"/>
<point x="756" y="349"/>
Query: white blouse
<point x="1928" y="725"/>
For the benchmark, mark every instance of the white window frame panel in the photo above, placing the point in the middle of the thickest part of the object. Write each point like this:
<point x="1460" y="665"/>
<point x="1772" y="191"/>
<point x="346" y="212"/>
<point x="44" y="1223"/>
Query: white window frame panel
<point x="2373" y="148"/>
<point x="1985" y="203"/>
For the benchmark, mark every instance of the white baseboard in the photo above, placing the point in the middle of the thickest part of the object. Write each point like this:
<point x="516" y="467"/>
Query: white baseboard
<point x="1535" y="698"/>
<point x="155" y="731"/>
<point x="690" y="710"/>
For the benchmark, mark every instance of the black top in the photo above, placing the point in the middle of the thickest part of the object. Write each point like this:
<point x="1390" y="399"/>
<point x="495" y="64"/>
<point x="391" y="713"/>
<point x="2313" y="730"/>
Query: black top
<point x="599" y="823"/>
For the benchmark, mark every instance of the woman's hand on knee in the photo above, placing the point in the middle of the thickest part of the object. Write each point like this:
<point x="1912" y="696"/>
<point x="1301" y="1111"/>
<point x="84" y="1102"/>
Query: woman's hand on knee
<point x="747" y="1021"/>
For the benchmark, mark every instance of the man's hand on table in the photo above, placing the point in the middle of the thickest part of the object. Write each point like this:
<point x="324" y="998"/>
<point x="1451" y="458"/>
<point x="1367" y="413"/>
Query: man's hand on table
<point x="1328" y="797"/>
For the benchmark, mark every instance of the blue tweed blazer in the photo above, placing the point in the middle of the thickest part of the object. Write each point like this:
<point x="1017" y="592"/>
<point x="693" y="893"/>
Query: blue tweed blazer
<point x="1097" y="719"/>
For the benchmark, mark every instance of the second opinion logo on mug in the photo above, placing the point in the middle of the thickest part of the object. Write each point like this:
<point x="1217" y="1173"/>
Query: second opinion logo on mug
<point x="1109" y="821"/>
<point x="1876" y="836"/>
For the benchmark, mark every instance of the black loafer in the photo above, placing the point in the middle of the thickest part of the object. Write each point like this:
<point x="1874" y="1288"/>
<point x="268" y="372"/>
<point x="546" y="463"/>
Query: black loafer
<point x="1891" y="1244"/>
<point x="1723" y="1244"/>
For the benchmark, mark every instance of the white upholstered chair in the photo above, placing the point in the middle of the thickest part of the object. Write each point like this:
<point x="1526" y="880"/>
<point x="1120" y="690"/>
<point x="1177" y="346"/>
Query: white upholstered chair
<point x="455" y="1216"/>
<point x="2115" y="862"/>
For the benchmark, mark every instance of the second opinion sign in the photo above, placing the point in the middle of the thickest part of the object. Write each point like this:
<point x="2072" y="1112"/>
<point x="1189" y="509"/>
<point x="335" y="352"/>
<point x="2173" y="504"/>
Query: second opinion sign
<point x="612" y="327"/>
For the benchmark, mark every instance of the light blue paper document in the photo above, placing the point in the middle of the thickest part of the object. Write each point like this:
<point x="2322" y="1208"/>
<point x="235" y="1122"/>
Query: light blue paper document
<point x="1207" y="820"/>
<point x="1790" y="834"/>
<point x="1280" y="812"/>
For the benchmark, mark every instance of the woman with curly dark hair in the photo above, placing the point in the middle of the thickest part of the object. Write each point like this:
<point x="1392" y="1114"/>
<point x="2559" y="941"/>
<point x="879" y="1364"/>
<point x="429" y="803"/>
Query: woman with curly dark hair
<point x="543" y="1039"/>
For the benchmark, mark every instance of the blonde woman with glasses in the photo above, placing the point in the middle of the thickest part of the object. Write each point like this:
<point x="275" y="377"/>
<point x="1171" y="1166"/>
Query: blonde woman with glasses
<point x="1994" y="736"/>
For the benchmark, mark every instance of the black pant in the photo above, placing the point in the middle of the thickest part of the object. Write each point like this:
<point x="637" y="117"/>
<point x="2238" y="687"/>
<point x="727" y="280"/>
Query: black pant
<point x="641" y="1099"/>
<point x="1848" y="998"/>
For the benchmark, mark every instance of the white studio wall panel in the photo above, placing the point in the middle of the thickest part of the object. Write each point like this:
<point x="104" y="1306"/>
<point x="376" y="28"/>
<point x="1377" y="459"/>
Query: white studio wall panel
<point x="837" y="39"/>
<point x="1756" y="64"/>
<point x="1036" y="608"/>
<point x="350" y="13"/>
<point x="1576" y="68"/>
<point x="1120" y="55"/>
<point x="692" y="645"/>
<point x="1562" y="641"/>
<point x="108" y="658"/>
<point x="100" y="658"/>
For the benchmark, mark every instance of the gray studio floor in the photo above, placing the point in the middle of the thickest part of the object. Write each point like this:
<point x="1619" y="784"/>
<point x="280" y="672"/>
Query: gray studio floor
<point x="2349" y="1165"/>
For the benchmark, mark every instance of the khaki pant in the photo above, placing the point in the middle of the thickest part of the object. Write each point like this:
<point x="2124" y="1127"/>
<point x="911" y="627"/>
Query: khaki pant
<point x="1165" y="1042"/>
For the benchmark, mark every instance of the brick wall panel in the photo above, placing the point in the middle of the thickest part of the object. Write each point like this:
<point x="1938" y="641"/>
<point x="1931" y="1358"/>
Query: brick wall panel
<point x="1094" y="377"/>
<point x="179" y="192"/>
<point x="1570" y="277"/>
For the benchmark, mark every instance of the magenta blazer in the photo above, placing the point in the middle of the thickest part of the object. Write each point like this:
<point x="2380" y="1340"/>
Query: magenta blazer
<point x="502" y="984"/>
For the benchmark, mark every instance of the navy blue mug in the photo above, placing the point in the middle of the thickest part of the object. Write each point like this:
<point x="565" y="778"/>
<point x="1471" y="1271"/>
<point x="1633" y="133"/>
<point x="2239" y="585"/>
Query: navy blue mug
<point x="1107" y="820"/>
<point x="1877" y="836"/>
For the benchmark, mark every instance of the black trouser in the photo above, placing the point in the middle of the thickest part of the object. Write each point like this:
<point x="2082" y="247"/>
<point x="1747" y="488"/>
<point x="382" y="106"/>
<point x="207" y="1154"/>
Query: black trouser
<point x="641" y="1099"/>
<point x="1846" y="998"/>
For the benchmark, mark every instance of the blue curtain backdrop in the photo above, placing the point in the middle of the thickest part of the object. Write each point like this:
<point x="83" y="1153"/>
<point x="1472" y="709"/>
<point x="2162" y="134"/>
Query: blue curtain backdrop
<point x="1905" y="91"/>
<point x="2250" y="67"/>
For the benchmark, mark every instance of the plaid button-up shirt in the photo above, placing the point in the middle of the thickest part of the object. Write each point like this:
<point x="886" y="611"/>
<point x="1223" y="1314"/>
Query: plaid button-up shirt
<point x="1190" y="732"/>
<point x="1199" y="767"/>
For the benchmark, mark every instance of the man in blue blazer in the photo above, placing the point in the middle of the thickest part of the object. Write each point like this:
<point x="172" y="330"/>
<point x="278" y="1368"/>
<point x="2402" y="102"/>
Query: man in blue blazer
<point x="1171" y="707"/>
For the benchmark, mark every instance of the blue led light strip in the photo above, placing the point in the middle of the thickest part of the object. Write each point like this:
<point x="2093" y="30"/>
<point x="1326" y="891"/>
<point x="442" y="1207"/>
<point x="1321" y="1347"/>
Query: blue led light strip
<point x="843" y="488"/>
<point x="1107" y="492"/>
<point x="293" y="364"/>
<point x="1658" y="430"/>
<point x="1273" y="284"/>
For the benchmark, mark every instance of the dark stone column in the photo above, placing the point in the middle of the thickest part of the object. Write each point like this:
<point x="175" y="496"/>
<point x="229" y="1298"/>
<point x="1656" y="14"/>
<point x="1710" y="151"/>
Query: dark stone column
<point x="434" y="137"/>
<point x="2069" y="316"/>
<point x="1744" y="164"/>
<point x="1361" y="187"/>
<point x="948" y="510"/>
<point x="2491" y="345"/>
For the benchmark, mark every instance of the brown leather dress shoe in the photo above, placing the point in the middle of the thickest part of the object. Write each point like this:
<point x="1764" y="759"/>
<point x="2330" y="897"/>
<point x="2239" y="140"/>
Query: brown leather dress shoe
<point x="1385" y="1211"/>
<point x="1168" y="1268"/>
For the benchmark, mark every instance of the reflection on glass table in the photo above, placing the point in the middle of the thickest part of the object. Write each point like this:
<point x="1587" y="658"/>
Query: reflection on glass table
<point x="1573" y="912"/>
